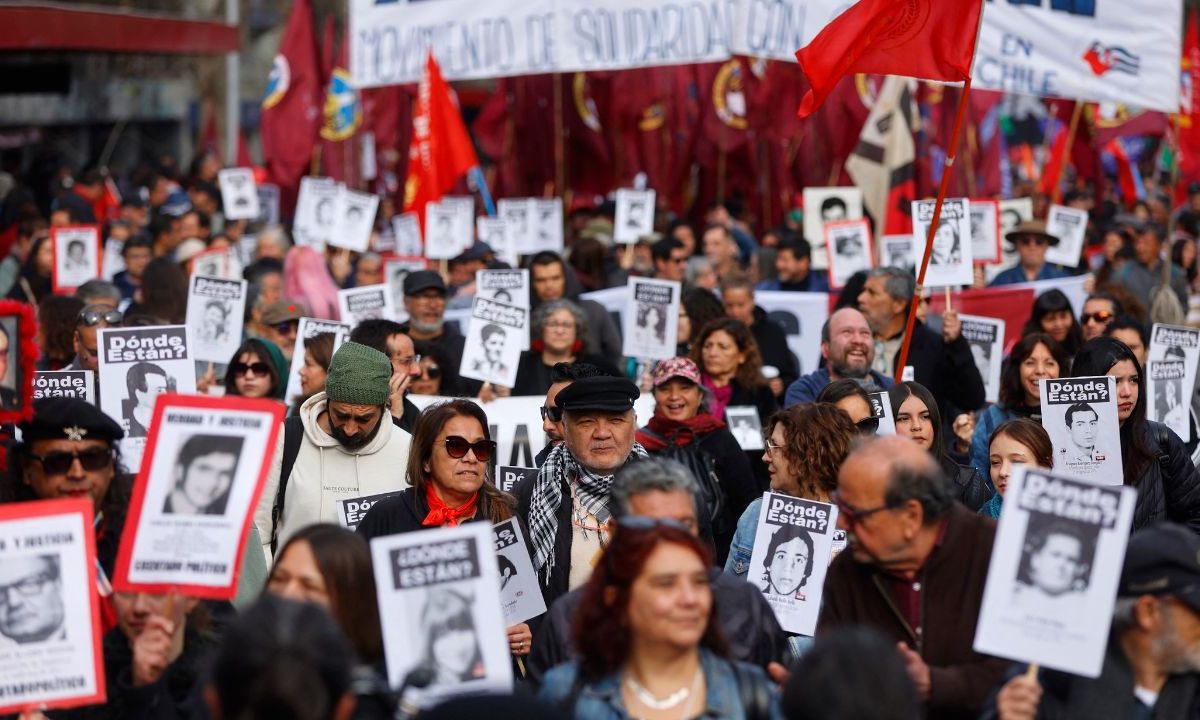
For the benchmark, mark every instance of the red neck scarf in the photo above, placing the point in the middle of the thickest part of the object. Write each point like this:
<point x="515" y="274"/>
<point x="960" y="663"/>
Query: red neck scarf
<point x="442" y="514"/>
<point x="693" y="428"/>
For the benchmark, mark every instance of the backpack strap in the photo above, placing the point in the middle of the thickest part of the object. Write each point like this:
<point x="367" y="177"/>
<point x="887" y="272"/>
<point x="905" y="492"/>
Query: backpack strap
<point x="293" y="433"/>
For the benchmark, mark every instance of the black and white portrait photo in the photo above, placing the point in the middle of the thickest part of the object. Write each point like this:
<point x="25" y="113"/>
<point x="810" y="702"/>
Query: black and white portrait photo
<point x="214" y="328"/>
<point x="849" y="246"/>
<point x="635" y="215"/>
<point x="204" y="473"/>
<point x="828" y="205"/>
<point x="517" y="214"/>
<point x="1069" y="225"/>
<point x="495" y="334"/>
<point x="788" y="562"/>
<point x="239" y="193"/>
<point x="549" y="226"/>
<point x="406" y="227"/>
<point x="144" y="382"/>
<point x="215" y="315"/>
<point x="745" y="426"/>
<point x="357" y="219"/>
<point x="1056" y="562"/>
<point x="76" y="256"/>
<point x="10" y="364"/>
<point x="651" y="324"/>
<point x="32" y="608"/>
<point x="316" y="211"/>
<point x="1082" y="428"/>
<point x="650" y="321"/>
<point x="520" y="594"/>
<point x="985" y="231"/>
<point x="950" y="261"/>
<point x="494" y="339"/>
<point x="448" y="636"/>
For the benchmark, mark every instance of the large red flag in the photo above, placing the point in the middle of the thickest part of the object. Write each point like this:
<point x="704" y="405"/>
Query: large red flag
<point x="1188" y="120"/>
<point x="441" y="151"/>
<point x="292" y="106"/>
<point x="928" y="39"/>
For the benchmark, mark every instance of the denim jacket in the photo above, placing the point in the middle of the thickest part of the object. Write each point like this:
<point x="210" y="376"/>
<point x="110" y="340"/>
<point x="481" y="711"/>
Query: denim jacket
<point x="602" y="700"/>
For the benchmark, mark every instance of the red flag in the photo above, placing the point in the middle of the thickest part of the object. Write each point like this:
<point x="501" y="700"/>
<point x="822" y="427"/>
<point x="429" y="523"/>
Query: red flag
<point x="441" y="151"/>
<point x="1189" y="108"/>
<point x="928" y="39"/>
<point x="292" y="106"/>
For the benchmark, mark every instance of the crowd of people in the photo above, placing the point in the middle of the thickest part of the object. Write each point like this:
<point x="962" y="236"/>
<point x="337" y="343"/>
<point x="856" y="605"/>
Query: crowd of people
<point x="641" y="533"/>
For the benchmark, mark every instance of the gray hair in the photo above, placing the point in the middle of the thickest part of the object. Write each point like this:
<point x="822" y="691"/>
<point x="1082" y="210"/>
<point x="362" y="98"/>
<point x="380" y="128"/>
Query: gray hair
<point x="278" y="234"/>
<point x="95" y="290"/>
<point x="542" y="314"/>
<point x="899" y="284"/>
<point x="649" y="475"/>
<point x="696" y="264"/>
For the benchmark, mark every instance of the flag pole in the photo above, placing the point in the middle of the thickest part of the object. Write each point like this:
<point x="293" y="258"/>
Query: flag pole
<point x="560" y="165"/>
<point x="943" y="188"/>
<point x="1056" y="191"/>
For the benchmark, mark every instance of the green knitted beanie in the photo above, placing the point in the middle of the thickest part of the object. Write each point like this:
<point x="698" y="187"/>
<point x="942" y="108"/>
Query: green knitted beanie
<point x="358" y="375"/>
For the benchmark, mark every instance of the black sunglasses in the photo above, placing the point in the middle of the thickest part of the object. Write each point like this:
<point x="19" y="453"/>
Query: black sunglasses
<point x="258" y="368"/>
<point x="457" y="447"/>
<point x="286" y="326"/>
<point x="1100" y="316"/>
<point x="433" y="372"/>
<point x="641" y="522"/>
<point x="58" y="463"/>
<point x="92" y="318"/>
<point x="553" y="414"/>
<point x="868" y="425"/>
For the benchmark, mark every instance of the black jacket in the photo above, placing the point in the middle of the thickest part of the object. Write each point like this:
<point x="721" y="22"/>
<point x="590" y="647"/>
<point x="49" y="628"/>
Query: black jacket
<point x="400" y="514"/>
<point x="746" y="619"/>
<point x="967" y="484"/>
<point x="761" y="398"/>
<point x="1169" y="487"/>
<point x="603" y="336"/>
<point x="946" y="370"/>
<point x="533" y="375"/>
<point x="556" y="583"/>
<point x="772" y="345"/>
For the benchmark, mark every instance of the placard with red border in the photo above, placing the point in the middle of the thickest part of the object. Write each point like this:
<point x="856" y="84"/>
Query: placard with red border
<point x="23" y="349"/>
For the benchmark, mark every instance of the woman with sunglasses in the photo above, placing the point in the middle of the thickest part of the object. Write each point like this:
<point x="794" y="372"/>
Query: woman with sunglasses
<point x="918" y="418"/>
<point x="1053" y="314"/>
<point x="851" y="397"/>
<point x="257" y="371"/>
<point x="1034" y="358"/>
<point x="449" y="478"/>
<point x="1016" y="442"/>
<point x="429" y="382"/>
<point x="1156" y="462"/>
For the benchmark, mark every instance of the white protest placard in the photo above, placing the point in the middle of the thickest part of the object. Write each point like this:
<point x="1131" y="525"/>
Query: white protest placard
<point x="848" y="244"/>
<point x="268" y="204"/>
<point x="351" y="511"/>
<point x="548" y="213"/>
<point x="446" y="235"/>
<point x="239" y="193"/>
<point x="1069" y="225"/>
<point x="1171" y="368"/>
<point x="897" y="251"/>
<point x="79" y="384"/>
<point x="985" y="231"/>
<point x="950" y="261"/>
<point x="113" y="261"/>
<point x="1053" y="574"/>
<point x="509" y="477"/>
<point x="651" y="324"/>
<point x="76" y="251"/>
<point x="407" y="229"/>
<point x="50" y="643"/>
<point x="792" y="548"/>
<point x="635" y="215"/>
<point x="745" y="425"/>
<point x="316" y="212"/>
<point x="306" y="330"/>
<point x="881" y="408"/>
<point x="395" y="269"/>
<point x="494" y="337"/>
<point x="195" y="495"/>
<point x="985" y="335"/>
<point x="1012" y="213"/>
<point x="356" y="219"/>
<point x="801" y="315"/>
<point x="520" y="220"/>
<point x="824" y="205"/>
<point x="496" y="234"/>
<point x="367" y="302"/>
<point x="439" y="608"/>
<point x="215" y="313"/>
<point x="507" y="286"/>
<point x="213" y="263"/>
<point x="1080" y="416"/>
<point x="520" y="591"/>
<point x="136" y="366"/>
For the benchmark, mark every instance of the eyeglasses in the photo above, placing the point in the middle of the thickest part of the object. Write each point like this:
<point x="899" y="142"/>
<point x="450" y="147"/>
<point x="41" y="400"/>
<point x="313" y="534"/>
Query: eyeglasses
<point x="641" y="522"/>
<point x="868" y="425"/>
<point x="1032" y="240"/>
<point x="457" y="447"/>
<point x="286" y="326"/>
<point x="561" y="325"/>
<point x="1100" y="316"/>
<point x="553" y="414"/>
<point x="771" y="447"/>
<point x="92" y="318"/>
<point x="26" y="587"/>
<point x="58" y="463"/>
<point x="407" y="360"/>
<point x="853" y="515"/>
<point x="433" y="372"/>
<point x="257" y="368"/>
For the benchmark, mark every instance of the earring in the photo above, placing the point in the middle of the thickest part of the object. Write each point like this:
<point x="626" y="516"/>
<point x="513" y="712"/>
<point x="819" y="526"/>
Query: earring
<point x="576" y="346"/>
<point x="537" y="345"/>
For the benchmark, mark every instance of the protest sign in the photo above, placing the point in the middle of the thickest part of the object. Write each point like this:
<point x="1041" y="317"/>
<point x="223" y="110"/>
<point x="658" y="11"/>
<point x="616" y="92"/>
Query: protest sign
<point x="239" y="193"/>
<point x="897" y="251"/>
<point x="792" y="548"/>
<point x="366" y="302"/>
<point x="356" y="219"/>
<point x="520" y="592"/>
<point x="194" y="498"/>
<point x="985" y="231"/>
<point x="215" y="312"/>
<point x="520" y="218"/>
<point x="635" y="215"/>
<point x="1171" y="367"/>
<point x="1012" y="214"/>
<point x="351" y="511"/>
<point x="507" y="286"/>
<point x="496" y="233"/>
<point x="745" y="425"/>
<point x="136" y="366"/>
<point x="65" y="383"/>
<point x="881" y="408"/>
<point x="549" y="226"/>
<point x="509" y="477"/>
<point x="76" y="251"/>
<point x="268" y="204"/>
<point x="1069" y="225"/>
<point x="316" y="212"/>
<point x="395" y="269"/>
<point x="824" y="205"/>
<point x="494" y="337"/>
<point x="50" y="643"/>
<point x="213" y="263"/>
<point x="407" y="229"/>
<point x="305" y="331"/>
<point x="1052" y="578"/>
<point x="985" y="335"/>
<point x="113" y="261"/>
<point x="18" y="357"/>
<point x="651" y="324"/>
<point x="950" y="260"/>
<point x="439" y="609"/>
<point x="448" y="230"/>
<point x="848" y="244"/>
<point x="1080" y="416"/>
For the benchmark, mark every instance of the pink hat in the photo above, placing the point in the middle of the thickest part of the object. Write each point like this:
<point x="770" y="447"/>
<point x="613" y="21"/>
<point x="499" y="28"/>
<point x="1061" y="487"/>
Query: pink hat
<point x="676" y="367"/>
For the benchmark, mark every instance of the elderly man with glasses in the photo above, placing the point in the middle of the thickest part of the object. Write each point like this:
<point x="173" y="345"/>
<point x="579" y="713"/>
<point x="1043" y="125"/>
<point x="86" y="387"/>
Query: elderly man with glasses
<point x="914" y="569"/>
<point x="1031" y="241"/>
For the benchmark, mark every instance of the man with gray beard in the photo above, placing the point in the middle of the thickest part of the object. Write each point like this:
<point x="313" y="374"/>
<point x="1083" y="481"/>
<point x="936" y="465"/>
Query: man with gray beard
<point x="849" y="350"/>
<point x="425" y="303"/>
<point x="1152" y="666"/>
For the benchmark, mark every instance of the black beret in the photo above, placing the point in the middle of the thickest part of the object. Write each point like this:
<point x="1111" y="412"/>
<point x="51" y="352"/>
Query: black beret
<point x="69" y="419"/>
<point x="611" y="394"/>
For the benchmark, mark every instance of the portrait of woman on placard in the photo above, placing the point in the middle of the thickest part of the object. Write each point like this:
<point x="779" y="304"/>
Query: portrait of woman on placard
<point x="651" y="325"/>
<point x="947" y="246"/>
<point x="451" y="643"/>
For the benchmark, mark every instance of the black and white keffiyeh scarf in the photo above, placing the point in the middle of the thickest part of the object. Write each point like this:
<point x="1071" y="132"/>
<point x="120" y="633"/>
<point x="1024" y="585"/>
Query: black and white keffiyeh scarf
<point x="591" y="490"/>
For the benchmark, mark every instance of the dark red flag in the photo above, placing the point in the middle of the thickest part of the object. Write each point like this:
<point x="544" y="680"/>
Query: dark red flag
<point x="292" y="106"/>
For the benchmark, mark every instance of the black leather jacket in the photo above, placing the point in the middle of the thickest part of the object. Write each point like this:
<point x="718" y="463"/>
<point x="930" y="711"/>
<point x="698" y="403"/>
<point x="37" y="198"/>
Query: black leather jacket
<point x="1169" y="488"/>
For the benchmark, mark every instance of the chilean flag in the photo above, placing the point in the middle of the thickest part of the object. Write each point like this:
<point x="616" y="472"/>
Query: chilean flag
<point x="927" y="39"/>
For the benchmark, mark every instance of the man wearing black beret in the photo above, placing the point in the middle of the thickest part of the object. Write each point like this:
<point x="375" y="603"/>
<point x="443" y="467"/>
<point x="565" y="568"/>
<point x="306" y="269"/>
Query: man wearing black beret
<point x="566" y="506"/>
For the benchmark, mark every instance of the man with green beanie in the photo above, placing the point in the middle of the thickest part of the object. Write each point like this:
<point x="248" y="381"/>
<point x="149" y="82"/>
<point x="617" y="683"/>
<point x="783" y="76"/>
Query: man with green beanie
<point x="348" y="447"/>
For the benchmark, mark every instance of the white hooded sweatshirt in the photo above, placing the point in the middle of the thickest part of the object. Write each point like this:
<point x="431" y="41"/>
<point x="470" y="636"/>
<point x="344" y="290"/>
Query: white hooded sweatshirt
<point x="326" y="472"/>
